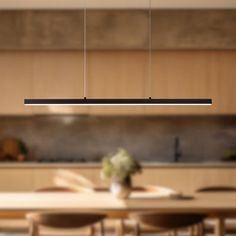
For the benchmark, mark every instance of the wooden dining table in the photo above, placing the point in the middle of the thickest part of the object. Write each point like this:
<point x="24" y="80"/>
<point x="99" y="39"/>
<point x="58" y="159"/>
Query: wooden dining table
<point x="217" y="205"/>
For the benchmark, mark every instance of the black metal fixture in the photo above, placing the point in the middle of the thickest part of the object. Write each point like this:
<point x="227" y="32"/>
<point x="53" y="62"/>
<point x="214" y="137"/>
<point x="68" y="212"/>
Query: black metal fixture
<point x="121" y="102"/>
<point x="113" y="101"/>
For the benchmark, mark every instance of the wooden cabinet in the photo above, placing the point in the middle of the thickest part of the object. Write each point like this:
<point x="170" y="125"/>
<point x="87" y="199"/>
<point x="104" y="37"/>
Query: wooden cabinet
<point x="184" y="179"/>
<point x="117" y="74"/>
<point x="62" y="176"/>
<point x="223" y="82"/>
<point x="174" y="74"/>
<point x="58" y="75"/>
<point x="16" y="179"/>
<point x="15" y="82"/>
<point x="40" y="75"/>
<point x="187" y="179"/>
<point x="194" y="74"/>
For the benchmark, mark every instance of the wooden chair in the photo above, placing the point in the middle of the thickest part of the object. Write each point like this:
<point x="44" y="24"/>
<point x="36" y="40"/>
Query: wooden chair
<point x="168" y="222"/>
<point x="211" y="224"/>
<point x="18" y="223"/>
<point x="63" y="220"/>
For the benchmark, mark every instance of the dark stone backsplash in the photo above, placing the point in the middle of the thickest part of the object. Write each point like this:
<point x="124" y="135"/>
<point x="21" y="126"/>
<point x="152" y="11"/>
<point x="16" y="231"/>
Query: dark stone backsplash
<point x="89" y="138"/>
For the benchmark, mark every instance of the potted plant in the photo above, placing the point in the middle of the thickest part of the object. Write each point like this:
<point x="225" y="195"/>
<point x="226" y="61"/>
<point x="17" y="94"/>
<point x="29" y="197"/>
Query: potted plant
<point x="119" y="167"/>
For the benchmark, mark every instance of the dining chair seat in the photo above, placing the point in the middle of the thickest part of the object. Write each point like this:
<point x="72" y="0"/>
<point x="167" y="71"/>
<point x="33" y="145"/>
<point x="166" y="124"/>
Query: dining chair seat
<point x="167" y="221"/>
<point x="63" y="220"/>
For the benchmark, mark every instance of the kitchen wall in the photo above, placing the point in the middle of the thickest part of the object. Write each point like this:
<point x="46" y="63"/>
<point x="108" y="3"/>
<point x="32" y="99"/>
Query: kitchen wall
<point x="89" y="138"/>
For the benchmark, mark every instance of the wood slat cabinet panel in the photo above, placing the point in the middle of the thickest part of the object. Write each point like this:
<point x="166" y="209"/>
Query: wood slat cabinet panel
<point x="58" y="75"/>
<point x="43" y="178"/>
<point x="183" y="179"/>
<point x="64" y="176"/>
<point x="194" y="74"/>
<point x="187" y="180"/>
<point x="223" y="82"/>
<point x="16" y="180"/>
<point x="16" y="81"/>
<point x="117" y="74"/>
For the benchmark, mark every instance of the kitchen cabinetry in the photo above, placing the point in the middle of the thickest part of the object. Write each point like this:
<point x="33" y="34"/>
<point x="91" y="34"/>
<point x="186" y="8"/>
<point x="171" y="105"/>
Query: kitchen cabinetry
<point x="181" y="177"/>
<point x="15" y="82"/>
<point x="16" y="179"/>
<point x="199" y="74"/>
<point x="174" y="74"/>
<point x="58" y="75"/>
<point x="118" y="74"/>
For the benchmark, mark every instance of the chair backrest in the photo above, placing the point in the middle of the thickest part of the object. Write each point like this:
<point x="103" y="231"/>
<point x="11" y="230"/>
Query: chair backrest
<point x="209" y="189"/>
<point x="64" y="220"/>
<point x="55" y="189"/>
<point x="168" y="221"/>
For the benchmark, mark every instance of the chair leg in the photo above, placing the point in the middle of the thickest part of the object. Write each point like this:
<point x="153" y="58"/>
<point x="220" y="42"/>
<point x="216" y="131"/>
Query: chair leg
<point x="220" y="227"/>
<point x="33" y="229"/>
<point x="92" y="230"/>
<point x="137" y="231"/>
<point x="119" y="228"/>
<point x="102" y="225"/>
<point x="173" y="233"/>
<point x="192" y="231"/>
<point x="201" y="229"/>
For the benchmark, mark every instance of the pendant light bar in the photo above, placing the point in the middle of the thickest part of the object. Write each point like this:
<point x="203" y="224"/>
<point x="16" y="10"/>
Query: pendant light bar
<point x="118" y="102"/>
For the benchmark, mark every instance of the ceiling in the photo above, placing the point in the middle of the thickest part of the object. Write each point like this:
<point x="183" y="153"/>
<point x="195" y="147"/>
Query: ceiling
<point x="75" y="4"/>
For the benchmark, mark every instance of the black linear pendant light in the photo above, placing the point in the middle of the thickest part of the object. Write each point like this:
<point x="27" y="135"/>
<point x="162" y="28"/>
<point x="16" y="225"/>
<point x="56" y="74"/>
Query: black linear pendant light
<point x="117" y="102"/>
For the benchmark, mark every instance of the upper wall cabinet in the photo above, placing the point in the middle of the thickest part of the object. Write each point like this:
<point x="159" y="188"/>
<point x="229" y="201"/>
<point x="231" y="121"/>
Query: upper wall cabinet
<point x="117" y="59"/>
<point x="117" y="69"/>
<point x="58" y="75"/>
<point x="194" y="74"/>
<point x="15" y="82"/>
<point x="117" y="74"/>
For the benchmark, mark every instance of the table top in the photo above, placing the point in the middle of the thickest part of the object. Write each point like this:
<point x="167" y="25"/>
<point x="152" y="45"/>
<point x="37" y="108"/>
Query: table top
<point x="104" y="201"/>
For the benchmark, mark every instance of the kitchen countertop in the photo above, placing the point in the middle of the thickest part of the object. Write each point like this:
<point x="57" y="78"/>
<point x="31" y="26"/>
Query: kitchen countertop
<point x="98" y="165"/>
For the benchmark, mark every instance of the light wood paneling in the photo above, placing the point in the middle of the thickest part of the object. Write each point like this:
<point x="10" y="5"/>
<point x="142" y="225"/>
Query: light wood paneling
<point x="15" y="82"/>
<point x="194" y="74"/>
<point x="16" y="180"/>
<point x="117" y="75"/>
<point x="51" y="177"/>
<point x="43" y="178"/>
<point x="223" y="82"/>
<point x="58" y="75"/>
<point x="186" y="180"/>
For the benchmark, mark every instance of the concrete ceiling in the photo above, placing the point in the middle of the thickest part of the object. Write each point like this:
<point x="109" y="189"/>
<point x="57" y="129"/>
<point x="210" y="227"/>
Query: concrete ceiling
<point x="103" y="4"/>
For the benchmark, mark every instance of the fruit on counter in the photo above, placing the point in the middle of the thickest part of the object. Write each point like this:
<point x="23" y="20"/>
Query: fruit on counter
<point x="12" y="149"/>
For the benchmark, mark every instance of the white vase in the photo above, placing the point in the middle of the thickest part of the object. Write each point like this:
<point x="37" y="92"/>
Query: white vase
<point x="121" y="189"/>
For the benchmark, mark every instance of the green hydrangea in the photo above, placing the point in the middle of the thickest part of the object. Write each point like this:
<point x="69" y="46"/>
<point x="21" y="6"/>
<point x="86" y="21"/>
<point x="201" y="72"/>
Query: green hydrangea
<point x="119" y="166"/>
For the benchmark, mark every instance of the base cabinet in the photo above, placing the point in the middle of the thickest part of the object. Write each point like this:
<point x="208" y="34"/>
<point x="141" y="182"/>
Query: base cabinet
<point x="16" y="180"/>
<point x="186" y="180"/>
